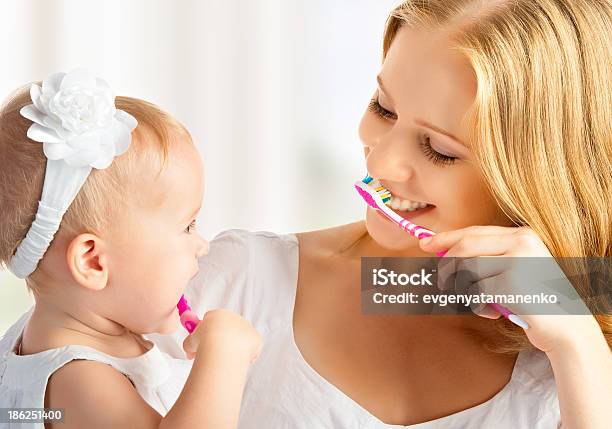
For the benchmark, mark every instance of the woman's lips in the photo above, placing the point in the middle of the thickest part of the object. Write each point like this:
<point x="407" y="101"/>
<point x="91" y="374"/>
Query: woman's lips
<point x="415" y="213"/>
<point x="411" y="215"/>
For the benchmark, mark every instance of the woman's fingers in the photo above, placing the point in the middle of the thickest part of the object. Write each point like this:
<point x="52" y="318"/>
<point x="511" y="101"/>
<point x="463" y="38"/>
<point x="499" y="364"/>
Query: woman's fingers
<point x="467" y="240"/>
<point x="468" y="246"/>
<point x="469" y="269"/>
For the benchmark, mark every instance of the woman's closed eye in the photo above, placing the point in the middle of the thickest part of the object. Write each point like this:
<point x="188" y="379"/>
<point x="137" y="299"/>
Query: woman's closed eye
<point x="376" y="108"/>
<point x="434" y="156"/>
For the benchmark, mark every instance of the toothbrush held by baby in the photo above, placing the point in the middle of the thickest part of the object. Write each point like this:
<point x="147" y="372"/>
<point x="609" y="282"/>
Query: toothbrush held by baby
<point x="377" y="197"/>
<point x="189" y="319"/>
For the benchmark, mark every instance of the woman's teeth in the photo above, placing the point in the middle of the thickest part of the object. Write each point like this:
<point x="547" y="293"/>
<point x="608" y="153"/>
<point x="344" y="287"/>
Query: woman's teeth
<point x="405" y="205"/>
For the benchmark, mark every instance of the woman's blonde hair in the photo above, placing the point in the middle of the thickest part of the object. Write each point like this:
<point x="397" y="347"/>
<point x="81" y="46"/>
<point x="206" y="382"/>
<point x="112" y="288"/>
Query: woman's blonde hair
<point x="540" y="123"/>
<point x="102" y="197"/>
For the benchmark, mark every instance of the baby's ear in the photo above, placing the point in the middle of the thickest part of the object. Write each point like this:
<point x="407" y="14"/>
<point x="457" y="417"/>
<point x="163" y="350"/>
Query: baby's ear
<point x="87" y="261"/>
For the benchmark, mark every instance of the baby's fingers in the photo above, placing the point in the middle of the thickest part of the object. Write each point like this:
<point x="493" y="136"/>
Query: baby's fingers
<point x="190" y="345"/>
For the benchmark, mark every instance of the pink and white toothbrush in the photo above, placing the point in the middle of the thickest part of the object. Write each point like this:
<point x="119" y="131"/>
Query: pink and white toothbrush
<point x="377" y="196"/>
<point x="189" y="319"/>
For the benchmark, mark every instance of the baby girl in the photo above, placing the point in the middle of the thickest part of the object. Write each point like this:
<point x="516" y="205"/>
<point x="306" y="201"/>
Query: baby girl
<point x="100" y="221"/>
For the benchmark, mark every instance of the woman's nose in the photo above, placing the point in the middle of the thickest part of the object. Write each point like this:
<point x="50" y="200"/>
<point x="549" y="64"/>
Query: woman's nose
<point x="389" y="158"/>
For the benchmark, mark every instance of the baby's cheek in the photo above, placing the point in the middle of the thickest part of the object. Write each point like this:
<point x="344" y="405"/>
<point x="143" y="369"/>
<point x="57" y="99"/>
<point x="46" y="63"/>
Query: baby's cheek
<point x="165" y="272"/>
<point x="173" y="276"/>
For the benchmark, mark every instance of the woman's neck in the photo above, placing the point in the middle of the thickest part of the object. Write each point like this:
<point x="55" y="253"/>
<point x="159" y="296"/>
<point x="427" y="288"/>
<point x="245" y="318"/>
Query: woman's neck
<point x="361" y="244"/>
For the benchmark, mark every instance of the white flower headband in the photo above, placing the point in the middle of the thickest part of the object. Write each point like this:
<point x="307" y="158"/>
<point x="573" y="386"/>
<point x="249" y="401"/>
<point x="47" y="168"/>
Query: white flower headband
<point x="76" y="120"/>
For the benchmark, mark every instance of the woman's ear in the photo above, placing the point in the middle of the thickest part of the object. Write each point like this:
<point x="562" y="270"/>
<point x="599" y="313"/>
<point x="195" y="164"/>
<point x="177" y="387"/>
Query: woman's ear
<point x="87" y="261"/>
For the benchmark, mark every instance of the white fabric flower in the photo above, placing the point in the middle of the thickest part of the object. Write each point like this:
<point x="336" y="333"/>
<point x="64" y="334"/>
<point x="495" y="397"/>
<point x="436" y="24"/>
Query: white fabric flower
<point x="75" y="118"/>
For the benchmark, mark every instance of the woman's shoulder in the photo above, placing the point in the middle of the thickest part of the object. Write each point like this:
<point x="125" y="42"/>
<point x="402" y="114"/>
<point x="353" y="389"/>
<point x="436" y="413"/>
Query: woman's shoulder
<point x="240" y="255"/>
<point x="529" y="397"/>
<point x="330" y="241"/>
<point x="242" y="244"/>
<point x="533" y="372"/>
<point x="251" y="273"/>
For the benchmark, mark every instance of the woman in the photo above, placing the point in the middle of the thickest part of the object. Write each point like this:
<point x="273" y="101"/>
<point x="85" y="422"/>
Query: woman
<point x="495" y="114"/>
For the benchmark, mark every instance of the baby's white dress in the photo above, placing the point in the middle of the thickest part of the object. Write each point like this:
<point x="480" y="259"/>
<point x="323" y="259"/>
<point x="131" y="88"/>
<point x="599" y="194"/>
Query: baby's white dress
<point x="255" y="274"/>
<point x="157" y="376"/>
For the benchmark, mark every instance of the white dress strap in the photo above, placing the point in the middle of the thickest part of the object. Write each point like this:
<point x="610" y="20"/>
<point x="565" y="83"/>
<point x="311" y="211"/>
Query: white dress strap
<point x="157" y="377"/>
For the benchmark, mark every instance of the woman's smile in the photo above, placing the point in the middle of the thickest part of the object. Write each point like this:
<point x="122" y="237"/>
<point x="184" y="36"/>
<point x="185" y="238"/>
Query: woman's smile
<point x="411" y="215"/>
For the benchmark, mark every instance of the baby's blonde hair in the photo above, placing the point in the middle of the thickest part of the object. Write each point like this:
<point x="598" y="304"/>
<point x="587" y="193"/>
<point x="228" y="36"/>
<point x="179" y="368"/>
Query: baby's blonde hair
<point x="22" y="171"/>
<point x="540" y="124"/>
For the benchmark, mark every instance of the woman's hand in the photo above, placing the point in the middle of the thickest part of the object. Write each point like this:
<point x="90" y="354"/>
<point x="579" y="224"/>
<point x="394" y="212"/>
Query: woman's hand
<point x="574" y="343"/>
<point x="508" y="276"/>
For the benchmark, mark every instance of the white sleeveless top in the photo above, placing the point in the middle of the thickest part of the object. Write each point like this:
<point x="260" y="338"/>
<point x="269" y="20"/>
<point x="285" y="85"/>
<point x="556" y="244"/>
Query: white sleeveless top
<point x="158" y="377"/>
<point x="255" y="274"/>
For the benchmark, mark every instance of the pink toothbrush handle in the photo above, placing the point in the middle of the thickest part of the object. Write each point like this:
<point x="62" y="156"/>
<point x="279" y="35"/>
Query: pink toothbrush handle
<point x="189" y="319"/>
<point x="499" y="308"/>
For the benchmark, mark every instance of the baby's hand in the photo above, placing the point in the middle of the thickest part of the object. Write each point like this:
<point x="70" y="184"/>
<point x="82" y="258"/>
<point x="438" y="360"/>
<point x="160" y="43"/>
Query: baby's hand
<point x="224" y="331"/>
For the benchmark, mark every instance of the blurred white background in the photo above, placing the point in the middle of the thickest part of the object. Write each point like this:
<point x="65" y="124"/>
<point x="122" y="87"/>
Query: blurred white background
<point x="271" y="90"/>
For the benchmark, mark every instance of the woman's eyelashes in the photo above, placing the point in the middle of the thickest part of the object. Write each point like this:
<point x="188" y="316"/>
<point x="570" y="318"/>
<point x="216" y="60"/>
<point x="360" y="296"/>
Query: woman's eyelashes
<point x="434" y="156"/>
<point x="376" y="108"/>
<point x="191" y="227"/>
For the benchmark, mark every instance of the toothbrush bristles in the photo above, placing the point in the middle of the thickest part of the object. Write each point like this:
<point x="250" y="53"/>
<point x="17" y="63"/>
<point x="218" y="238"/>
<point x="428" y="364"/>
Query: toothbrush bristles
<point x="384" y="194"/>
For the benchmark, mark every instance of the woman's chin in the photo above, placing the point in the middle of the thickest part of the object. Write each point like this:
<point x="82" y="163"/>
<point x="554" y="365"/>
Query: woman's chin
<point x="387" y="234"/>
